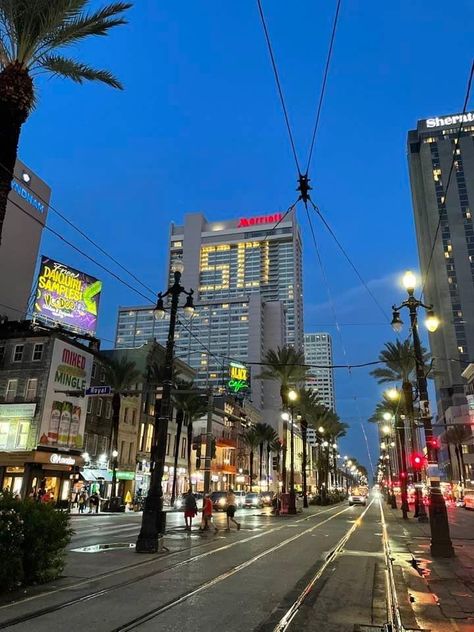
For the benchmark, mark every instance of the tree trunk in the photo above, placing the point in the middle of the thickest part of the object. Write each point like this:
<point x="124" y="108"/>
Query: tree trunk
<point x="304" y="427"/>
<point x="268" y="466"/>
<point x="179" y="426"/>
<point x="190" y="448"/>
<point x="463" y="467"/>
<point x="16" y="97"/>
<point x="458" y="459"/>
<point x="116" y="402"/>
<point x="283" y="460"/>
<point x="260" y="467"/>
<point x="251" y="469"/>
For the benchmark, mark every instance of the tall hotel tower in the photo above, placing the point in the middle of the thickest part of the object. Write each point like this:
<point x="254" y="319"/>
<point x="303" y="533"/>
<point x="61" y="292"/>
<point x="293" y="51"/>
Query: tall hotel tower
<point x="449" y="285"/>
<point x="247" y="279"/>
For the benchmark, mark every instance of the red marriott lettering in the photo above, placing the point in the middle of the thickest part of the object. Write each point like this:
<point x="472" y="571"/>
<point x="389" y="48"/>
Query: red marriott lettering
<point x="264" y="219"/>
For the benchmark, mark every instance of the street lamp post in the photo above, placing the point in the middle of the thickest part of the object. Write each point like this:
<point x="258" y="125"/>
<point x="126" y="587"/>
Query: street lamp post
<point x="292" y="397"/>
<point x="114" y="473"/>
<point x="153" y="519"/>
<point x="387" y="430"/>
<point x="304" y="464"/>
<point x="399" y="425"/>
<point x="441" y="545"/>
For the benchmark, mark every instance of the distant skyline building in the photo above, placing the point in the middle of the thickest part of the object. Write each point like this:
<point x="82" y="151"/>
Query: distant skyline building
<point x="450" y="282"/>
<point x="26" y="214"/>
<point x="247" y="282"/>
<point x="318" y="351"/>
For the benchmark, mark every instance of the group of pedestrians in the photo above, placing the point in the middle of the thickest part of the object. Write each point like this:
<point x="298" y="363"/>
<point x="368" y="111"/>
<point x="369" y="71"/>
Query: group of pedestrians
<point x="83" y="501"/>
<point x="191" y="511"/>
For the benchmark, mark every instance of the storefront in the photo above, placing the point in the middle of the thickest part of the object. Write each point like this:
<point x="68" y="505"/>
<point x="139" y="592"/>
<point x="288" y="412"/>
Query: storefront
<point x="25" y="473"/>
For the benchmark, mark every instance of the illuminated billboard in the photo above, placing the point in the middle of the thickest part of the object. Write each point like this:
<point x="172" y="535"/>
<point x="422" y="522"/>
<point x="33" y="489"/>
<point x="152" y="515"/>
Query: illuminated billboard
<point x="238" y="378"/>
<point x="67" y="296"/>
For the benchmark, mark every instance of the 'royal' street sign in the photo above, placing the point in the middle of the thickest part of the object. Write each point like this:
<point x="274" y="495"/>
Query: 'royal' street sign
<point x="99" y="390"/>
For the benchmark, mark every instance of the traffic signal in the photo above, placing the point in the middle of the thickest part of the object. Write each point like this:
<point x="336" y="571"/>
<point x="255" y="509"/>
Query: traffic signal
<point x="417" y="461"/>
<point x="433" y="443"/>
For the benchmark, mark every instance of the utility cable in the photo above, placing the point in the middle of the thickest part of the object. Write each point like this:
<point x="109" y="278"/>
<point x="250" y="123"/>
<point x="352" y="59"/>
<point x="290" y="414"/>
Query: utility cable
<point x="278" y="84"/>
<point x="348" y="259"/>
<point x="323" y="86"/>
<point x="84" y="254"/>
<point x="81" y="232"/>
<point x="456" y="142"/>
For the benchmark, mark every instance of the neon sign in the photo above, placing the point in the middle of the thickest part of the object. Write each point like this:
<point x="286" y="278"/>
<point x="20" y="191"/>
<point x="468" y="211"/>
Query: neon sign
<point x="262" y="219"/>
<point x="239" y="377"/>
<point x="26" y="195"/>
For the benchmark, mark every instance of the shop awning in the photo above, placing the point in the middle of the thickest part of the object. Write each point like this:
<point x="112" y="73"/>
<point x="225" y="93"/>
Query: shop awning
<point x="96" y="475"/>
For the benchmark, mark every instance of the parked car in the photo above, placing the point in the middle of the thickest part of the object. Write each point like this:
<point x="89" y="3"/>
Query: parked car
<point x="267" y="498"/>
<point x="240" y="498"/>
<point x="179" y="502"/>
<point x="219" y="501"/>
<point x="253" y="501"/>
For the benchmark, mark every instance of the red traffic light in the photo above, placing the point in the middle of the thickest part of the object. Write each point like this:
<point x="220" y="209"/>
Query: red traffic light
<point x="417" y="461"/>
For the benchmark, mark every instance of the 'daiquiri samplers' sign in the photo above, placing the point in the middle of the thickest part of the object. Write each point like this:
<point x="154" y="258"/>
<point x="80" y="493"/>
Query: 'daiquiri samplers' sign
<point x="67" y="296"/>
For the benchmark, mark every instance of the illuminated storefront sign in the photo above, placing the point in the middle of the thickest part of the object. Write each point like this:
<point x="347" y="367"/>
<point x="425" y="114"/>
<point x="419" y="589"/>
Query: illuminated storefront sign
<point x="244" y="222"/>
<point x="26" y="195"/>
<point x="450" y="120"/>
<point x="67" y="296"/>
<point x="238" y="377"/>
<point x="58" y="459"/>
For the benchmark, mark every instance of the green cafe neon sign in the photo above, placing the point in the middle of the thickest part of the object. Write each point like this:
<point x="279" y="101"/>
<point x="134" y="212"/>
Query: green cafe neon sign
<point x="238" y="377"/>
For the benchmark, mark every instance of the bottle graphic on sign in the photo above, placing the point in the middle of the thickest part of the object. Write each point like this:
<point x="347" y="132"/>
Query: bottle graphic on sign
<point x="54" y="420"/>
<point x="65" y="423"/>
<point x="74" y="428"/>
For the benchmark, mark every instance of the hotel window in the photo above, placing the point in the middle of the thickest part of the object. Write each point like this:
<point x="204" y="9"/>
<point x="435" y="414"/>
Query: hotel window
<point x="125" y="415"/>
<point x="31" y="388"/>
<point x="183" y="448"/>
<point x="18" y="353"/>
<point x="108" y="409"/>
<point x="94" y="370"/>
<point x="100" y="405"/>
<point x="89" y="404"/>
<point x="134" y="415"/>
<point x="149" y="438"/>
<point x="38" y="351"/>
<point x="12" y="387"/>
<point x="103" y="444"/>
<point x="168" y="443"/>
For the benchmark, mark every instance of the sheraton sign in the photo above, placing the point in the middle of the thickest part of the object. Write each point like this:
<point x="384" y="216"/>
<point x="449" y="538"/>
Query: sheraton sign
<point x="244" y="222"/>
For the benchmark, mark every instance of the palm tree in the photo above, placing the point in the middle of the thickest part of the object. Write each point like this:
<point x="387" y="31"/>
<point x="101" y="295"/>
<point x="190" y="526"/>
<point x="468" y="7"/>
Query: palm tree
<point x="399" y="360"/>
<point x="285" y="365"/>
<point x="310" y="408"/>
<point x="456" y="436"/>
<point x="252" y="441"/>
<point x="266" y="434"/>
<point x="190" y="406"/>
<point x="120" y="375"/>
<point x="33" y="35"/>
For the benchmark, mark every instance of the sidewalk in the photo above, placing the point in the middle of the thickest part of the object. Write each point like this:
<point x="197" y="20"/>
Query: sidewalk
<point x="441" y="591"/>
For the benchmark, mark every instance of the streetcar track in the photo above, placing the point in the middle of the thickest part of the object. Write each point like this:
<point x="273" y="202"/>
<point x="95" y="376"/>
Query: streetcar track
<point x="99" y="593"/>
<point x="285" y="621"/>
<point x="155" y="612"/>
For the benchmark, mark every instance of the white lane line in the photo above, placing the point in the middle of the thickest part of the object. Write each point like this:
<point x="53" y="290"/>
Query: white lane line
<point x="154" y="613"/>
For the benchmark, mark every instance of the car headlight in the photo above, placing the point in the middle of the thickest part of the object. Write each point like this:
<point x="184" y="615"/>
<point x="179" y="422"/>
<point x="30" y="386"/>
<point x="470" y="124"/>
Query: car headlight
<point x="350" y="498"/>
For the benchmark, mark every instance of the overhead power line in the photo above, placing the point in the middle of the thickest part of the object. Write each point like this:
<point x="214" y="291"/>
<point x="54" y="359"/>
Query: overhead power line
<point x="278" y="84"/>
<point x="323" y="86"/>
<point x="82" y="233"/>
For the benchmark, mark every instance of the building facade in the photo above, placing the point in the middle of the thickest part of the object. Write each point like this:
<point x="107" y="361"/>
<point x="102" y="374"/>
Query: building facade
<point x="320" y="379"/>
<point x="26" y="214"/>
<point x="247" y="282"/>
<point x="449" y="285"/>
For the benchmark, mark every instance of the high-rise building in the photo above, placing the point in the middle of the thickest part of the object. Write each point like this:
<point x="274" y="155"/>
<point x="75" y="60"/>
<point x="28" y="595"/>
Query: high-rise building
<point x="449" y="284"/>
<point x="320" y="379"/>
<point x="247" y="279"/>
<point x="27" y="210"/>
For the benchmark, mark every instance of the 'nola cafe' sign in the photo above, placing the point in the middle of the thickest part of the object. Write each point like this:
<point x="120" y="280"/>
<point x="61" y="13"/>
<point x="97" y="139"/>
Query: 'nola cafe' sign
<point x="238" y="377"/>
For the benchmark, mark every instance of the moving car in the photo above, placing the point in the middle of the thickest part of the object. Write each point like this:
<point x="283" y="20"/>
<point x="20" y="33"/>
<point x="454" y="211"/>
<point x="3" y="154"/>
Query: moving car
<point x="358" y="496"/>
<point x="179" y="502"/>
<point x="240" y="498"/>
<point x="219" y="501"/>
<point x="253" y="501"/>
<point x="267" y="498"/>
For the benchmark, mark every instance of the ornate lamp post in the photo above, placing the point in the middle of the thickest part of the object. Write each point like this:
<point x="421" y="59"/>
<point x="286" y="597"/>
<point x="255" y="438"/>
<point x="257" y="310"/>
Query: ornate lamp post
<point x="154" y="519"/>
<point x="292" y="398"/>
<point x="441" y="545"/>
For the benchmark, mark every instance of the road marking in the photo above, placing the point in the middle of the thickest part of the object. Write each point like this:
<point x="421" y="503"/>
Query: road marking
<point x="161" y="609"/>
<point x="155" y="560"/>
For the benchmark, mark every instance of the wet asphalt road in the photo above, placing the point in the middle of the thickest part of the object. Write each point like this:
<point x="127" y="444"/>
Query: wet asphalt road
<point x="235" y="581"/>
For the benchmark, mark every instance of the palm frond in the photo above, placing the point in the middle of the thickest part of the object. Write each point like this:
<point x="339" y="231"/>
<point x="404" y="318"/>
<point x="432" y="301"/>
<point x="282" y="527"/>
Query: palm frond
<point x="77" y="71"/>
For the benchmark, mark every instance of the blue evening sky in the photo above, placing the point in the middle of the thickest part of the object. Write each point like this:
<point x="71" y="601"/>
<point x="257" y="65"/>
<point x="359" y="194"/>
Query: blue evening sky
<point x="199" y="128"/>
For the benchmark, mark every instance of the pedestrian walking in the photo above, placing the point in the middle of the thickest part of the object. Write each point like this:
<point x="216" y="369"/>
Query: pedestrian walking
<point x="190" y="509"/>
<point x="82" y="501"/>
<point x="207" y="515"/>
<point x="231" y="503"/>
<point x="94" y="500"/>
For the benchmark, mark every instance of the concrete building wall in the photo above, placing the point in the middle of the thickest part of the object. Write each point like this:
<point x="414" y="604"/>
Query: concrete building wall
<point x="27" y="211"/>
